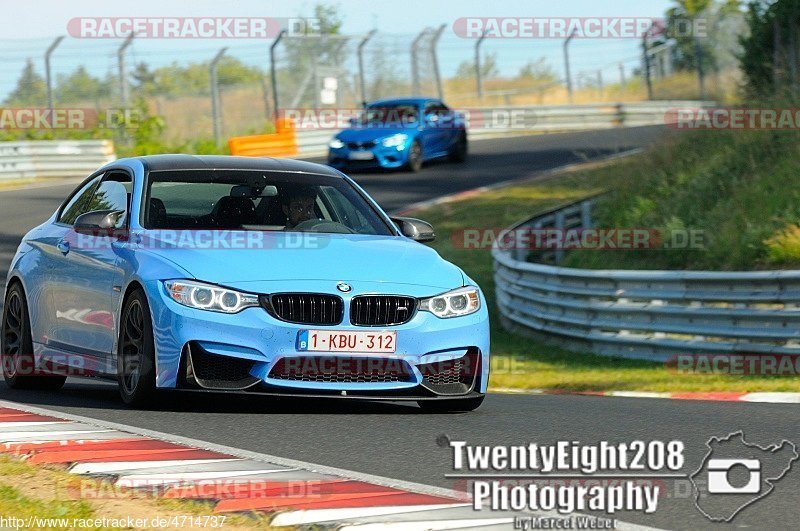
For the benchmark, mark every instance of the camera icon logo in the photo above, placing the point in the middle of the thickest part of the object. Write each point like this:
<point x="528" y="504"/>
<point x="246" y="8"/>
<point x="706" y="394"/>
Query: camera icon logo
<point x="719" y="471"/>
<point x="735" y="474"/>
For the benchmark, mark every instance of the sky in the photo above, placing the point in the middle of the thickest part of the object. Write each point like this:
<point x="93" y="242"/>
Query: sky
<point x="30" y="27"/>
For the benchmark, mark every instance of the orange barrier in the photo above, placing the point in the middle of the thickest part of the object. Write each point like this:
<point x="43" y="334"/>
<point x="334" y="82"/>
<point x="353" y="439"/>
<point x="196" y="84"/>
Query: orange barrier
<point x="282" y="143"/>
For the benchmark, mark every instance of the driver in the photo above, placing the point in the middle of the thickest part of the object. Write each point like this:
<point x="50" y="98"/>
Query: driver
<point x="298" y="205"/>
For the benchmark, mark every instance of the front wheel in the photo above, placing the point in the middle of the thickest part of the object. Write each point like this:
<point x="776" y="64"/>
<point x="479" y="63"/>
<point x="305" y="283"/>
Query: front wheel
<point x="19" y="363"/>
<point x="458" y="151"/>
<point x="414" y="163"/>
<point x="457" y="405"/>
<point x="136" y="352"/>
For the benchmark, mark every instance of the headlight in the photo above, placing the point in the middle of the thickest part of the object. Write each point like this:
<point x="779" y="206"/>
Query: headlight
<point x="208" y="297"/>
<point x="462" y="301"/>
<point x="335" y="143"/>
<point x="395" y="140"/>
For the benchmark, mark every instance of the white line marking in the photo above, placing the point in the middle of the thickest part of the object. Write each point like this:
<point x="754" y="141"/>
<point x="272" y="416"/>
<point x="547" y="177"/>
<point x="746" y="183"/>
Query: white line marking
<point x="427" y="525"/>
<point x="109" y="467"/>
<point x="146" y="480"/>
<point x="775" y="398"/>
<point x="313" y="516"/>
<point x="50" y="435"/>
<point x="4" y="425"/>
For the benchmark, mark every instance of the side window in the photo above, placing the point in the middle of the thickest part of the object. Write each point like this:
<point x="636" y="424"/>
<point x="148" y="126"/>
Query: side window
<point x="79" y="203"/>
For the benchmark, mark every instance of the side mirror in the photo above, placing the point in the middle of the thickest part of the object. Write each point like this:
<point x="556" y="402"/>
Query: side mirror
<point x="416" y="229"/>
<point x="98" y="222"/>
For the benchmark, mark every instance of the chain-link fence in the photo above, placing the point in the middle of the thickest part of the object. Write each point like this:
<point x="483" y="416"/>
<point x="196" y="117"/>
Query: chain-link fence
<point x="215" y="89"/>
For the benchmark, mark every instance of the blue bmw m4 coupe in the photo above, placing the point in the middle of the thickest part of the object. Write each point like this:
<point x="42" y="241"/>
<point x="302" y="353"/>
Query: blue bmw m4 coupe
<point x="249" y="275"/>
<point x="400" y="133"/>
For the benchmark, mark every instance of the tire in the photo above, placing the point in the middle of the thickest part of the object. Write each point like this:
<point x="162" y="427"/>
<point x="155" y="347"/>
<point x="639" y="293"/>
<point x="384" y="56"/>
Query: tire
<point x="458" y="151"/>
<point x="414" y="163"/>
<point x="17" y="346"/>
<point x="136" y="369"/>
<point x="451" y="405"/>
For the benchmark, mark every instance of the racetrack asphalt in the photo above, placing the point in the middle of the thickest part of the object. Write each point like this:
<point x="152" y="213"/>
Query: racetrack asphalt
<point x="397" y="440"/>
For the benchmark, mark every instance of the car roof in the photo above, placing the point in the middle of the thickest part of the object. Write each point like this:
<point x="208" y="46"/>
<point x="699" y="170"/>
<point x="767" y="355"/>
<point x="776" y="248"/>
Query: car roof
<point x="419" y="100"/>
<point x="224" y="162"/>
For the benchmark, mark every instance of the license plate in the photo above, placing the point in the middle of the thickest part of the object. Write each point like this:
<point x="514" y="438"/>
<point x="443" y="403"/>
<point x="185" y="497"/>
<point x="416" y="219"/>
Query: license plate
<point x="361" y="155"/>
<point x="333" y="341"/>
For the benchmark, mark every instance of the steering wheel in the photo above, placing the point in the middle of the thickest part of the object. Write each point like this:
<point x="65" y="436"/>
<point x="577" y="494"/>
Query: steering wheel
<point x="323" y="225"/>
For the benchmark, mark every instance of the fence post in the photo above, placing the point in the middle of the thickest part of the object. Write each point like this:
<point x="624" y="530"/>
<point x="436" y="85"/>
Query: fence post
<point x="478" y="74"/>
<point x="437" y="75"/>
<point x="361" y="79"/>
<point x="273" y="78"/>
<point x="414" y="62"/>
<point x="216" y="117"/>
<point x="48" y="76"/>
<point x="123" y="78"/>
<point x="645" y="52"/>
<point x="566" y="66"/>
<point x="698" y="55"/>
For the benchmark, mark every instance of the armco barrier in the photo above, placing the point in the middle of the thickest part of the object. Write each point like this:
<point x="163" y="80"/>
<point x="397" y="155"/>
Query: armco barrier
<point x="32" y="159"/>
<point x="542" y="118"/>
<point x="644" y="314"/>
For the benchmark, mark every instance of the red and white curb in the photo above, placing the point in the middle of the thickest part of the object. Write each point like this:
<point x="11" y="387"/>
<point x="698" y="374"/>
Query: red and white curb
<point x="293" y="493"/>
<point x="722" y="396"/>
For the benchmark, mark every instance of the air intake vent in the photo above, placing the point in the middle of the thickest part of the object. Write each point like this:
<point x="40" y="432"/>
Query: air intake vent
<point x="305" y="308"/>
<point x="339" y="369"/>
<point x="381" y="310"/>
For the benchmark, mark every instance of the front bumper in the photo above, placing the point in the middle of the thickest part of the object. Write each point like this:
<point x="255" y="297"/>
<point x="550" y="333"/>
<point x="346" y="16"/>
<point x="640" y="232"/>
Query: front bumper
<point x="252" y="350"/>
<point x="383" y="157"/>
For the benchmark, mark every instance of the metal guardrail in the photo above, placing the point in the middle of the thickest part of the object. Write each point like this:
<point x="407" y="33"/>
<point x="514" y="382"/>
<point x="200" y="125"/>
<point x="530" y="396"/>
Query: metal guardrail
<point x="541" y="118"/>
<point x="644" y="314"/>
<point x="31" y="159"/>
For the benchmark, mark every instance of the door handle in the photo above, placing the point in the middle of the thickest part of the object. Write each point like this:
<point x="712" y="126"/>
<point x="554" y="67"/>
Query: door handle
<point x="63" y="246"/>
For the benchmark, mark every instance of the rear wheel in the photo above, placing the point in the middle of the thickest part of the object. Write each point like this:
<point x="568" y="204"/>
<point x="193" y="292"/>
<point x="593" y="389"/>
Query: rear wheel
<point x="136" y="352"/>
<point x="458" y="151"/>
<point x="18" y="359"/>
<point x="451" y="406"/>
<point x="414" y="163"/>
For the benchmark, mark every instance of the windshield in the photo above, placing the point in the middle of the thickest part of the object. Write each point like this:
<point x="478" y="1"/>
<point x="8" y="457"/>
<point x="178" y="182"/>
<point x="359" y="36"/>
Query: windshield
<point x="257" y="200"/>
<point x="391" y="115"/>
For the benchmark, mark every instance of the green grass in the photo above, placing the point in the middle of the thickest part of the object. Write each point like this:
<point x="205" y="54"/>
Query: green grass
<point x="739" y="189"/>
<point x="520" y="362"/>
<point x="13" y="503"/>
<point x="28" y="491"/>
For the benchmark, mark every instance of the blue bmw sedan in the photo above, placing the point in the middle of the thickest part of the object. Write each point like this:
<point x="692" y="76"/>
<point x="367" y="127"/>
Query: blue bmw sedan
<point x="241" y="275"/>
<point x="400" y="133"/>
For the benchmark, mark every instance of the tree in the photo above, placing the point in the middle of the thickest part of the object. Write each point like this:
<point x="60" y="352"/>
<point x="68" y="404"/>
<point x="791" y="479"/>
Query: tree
<point x="489" y="68"/>
<point x="765" y="69"/>
<point x="538" y="70"/>
<point x="31" y="89"/>
<point x="81" y="86"/>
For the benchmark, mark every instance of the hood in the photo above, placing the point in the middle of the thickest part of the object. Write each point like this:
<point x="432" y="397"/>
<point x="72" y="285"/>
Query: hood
<point x="287" y="256"/>
<point x="364" y="133"/>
